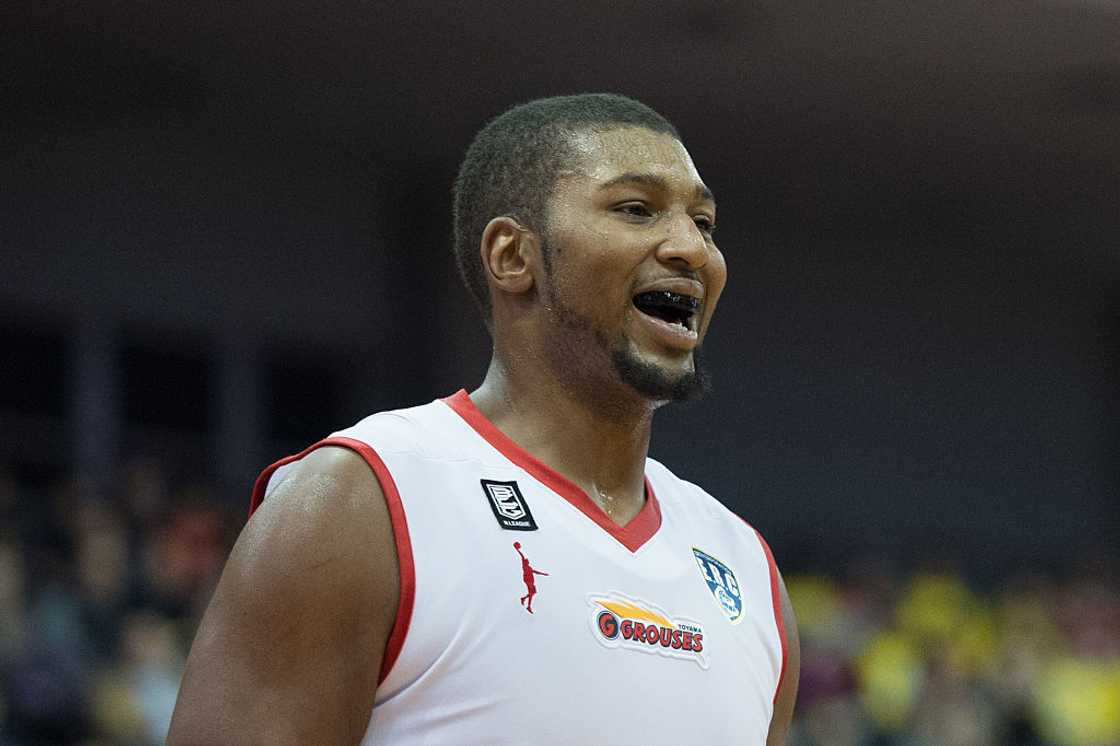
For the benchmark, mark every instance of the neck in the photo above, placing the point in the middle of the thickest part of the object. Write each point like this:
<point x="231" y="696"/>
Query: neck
<point x="596" y="440"/>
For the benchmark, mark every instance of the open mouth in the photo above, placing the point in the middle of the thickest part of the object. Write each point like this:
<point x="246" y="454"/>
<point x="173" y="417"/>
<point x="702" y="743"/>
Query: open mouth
<point x="670" y="307"/>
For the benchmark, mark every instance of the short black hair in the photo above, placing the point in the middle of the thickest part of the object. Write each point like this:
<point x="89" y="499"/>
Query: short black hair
<point x="511" y="166"/>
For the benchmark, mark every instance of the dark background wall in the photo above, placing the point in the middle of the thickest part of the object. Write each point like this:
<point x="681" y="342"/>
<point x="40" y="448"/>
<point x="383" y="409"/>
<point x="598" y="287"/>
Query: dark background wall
<point x="224" y="233"/>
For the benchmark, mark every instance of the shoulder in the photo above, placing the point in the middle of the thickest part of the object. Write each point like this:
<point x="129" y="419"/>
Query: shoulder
<point x="324" y="531"/>
<point x="309" y="593"/>
<point x="415" y="430"/>
<point x="327" y="520"/>
<point x="324" y="488"/>
<point x="424" y="430"/>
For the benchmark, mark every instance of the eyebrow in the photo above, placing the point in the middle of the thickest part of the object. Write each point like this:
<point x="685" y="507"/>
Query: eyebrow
<point x="656" y="182"/>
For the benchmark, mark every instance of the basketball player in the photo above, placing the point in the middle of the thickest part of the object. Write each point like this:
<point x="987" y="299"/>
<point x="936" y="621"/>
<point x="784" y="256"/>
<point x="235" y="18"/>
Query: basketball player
<point x="508" y="566"/>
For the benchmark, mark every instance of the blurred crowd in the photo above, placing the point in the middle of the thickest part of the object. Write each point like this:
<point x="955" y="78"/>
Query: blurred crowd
<point x="102" y="587"/>
<point x="924" y="660"/>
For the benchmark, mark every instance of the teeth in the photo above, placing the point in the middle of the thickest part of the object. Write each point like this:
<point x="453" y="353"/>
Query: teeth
<point x="676" y="299"/>
<point x="667" y="298"/>
<point x="670" y="307"/>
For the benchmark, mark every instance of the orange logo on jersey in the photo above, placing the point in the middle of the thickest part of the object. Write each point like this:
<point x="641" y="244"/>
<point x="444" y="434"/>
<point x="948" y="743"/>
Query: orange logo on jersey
<point x="618" y="621"/>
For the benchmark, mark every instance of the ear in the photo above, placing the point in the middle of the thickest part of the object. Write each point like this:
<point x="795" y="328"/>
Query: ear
<point x="509" y="253"/>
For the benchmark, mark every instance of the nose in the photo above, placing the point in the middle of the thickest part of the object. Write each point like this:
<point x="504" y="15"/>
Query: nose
<point x="684" y="243"/>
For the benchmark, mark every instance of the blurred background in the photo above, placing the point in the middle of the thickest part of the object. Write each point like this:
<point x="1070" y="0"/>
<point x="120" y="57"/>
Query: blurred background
<point x="224" y="233"/>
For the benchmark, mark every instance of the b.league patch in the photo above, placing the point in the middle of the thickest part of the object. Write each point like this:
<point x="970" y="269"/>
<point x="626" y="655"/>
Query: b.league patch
<point x="722" y="583"/>
<point x="509" y="505"/>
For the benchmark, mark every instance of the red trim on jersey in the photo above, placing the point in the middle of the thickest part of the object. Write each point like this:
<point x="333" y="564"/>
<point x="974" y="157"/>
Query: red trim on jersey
<point x="633" y="535"/>
<point x="405" y="563"/>
<point x="776" y="598"/>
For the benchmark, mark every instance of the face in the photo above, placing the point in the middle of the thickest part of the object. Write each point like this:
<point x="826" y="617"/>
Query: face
<point x="635" y="274"/>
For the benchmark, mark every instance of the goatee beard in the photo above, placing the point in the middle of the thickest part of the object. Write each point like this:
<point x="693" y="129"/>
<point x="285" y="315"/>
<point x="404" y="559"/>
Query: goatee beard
<point x="655" y="383"/>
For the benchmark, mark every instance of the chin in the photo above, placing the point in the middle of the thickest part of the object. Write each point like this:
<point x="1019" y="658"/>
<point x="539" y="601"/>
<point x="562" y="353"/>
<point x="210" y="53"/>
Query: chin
<point x="658" y="382"/>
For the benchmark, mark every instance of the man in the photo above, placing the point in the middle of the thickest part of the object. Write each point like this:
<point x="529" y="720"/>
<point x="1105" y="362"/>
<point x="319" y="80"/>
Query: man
<point x="378" y="594"/>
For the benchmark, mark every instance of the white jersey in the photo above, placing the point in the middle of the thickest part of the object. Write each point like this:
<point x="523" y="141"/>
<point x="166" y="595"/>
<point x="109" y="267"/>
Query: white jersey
<point x="526" y="615"/>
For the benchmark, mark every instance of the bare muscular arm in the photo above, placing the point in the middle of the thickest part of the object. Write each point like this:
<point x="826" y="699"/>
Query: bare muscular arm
<point x="290" y="648"/>
<point x="787" y="694"/>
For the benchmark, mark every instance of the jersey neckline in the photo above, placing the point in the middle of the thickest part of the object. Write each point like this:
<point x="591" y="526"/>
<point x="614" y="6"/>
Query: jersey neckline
<point x="633" y="535"/>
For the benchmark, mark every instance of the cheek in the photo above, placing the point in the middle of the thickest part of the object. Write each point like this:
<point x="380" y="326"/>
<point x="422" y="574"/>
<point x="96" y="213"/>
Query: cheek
<point x="716" y="280"/>
<point x="588" y="276"/>
<point x="590" y="287"/>
<point x="719" y="271"/>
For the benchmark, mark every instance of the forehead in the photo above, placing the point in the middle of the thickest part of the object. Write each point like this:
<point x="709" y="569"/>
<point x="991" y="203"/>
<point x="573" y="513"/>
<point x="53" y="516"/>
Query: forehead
<point x="600" y="157"/>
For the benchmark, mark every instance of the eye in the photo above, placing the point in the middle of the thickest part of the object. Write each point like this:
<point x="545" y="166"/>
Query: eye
<point x="706" y="225"/>
<point x="635" y="209"/>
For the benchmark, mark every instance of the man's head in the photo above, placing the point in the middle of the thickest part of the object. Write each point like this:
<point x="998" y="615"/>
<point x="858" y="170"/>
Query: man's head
<point x="512" y="165"/>
<point x="584" y="231"/>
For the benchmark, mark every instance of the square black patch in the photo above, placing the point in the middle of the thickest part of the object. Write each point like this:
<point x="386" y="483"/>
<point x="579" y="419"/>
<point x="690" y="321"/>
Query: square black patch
<point x="509" y="505"/>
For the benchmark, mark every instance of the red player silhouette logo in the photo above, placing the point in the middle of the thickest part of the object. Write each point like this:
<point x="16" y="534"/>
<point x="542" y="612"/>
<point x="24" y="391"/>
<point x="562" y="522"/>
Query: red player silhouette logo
<point x="527" y="573"/>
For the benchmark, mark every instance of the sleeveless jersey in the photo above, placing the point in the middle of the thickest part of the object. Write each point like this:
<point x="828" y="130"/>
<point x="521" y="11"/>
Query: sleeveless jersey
<point x="526" y="615"/>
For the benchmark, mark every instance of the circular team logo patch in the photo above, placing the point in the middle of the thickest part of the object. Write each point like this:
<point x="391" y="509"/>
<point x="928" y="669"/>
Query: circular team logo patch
<point x="722" y="583"/>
